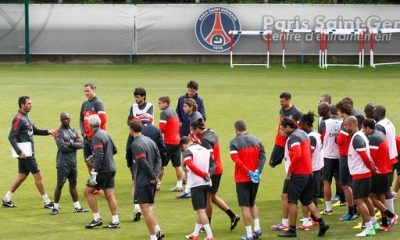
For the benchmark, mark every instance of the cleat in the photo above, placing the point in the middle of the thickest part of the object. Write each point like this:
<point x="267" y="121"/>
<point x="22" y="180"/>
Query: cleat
<point x="160" y="235"/>
<point x="176" y="189"/>
<point x="50" y="205"/>
<point x="304" y="227"/>
<point x="246" y="238"/>
<point x="113" y="225"/>
<point x="234" y="222"/>
<point x="367" y="233"/>
<point x="183" y="195"/>
<point x="393" y="221"/>
<point x="8" y="204"/>
<point x="80" y="210"/>
<point x="326" y="212"/>
<point x="384" y="229"/>
<point x="377" y="227"/>
<point x="94" y="223"/>
<point x="359" y="226"/>
<point x="257" y="234"/>
<point x="209" y="238"/>
<point x="348" y="217"/>
<point x="335" y="198"/>
<point x="339" y="204"/>
<point x="280" y="227"/>
<point x="136" y="216"/>
<point x="54" y="211"/>
<point x="191" y="237"/>
<point x="322" y="229"/>
<point x="287" y="234"/>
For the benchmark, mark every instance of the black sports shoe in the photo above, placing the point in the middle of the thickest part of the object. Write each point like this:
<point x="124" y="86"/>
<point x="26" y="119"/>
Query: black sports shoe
<point x="8" y="204"/>
<point x="160" y="235"/>
<point x="81" y="210"/>
<point x="287" y="234"/>
<point x="50" y="205"/>
<point x="54" y="211"/>
<point x="112" y="225"/>
<point x="137" y="216"/>
<point x="322" y="229"/>
<point x="234" y="222"/>
<point x="94" y="223"/>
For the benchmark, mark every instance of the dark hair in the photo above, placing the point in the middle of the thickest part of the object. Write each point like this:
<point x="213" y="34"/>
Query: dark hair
<point x="369" y="109"/>
<point x="240" y="125"/>
<point x="345" y="107"/>
<point x="136" y="126"/>
<point x="22" y="100"/>
<point x="360" y="119"/>
<point x="288" y="122"/>
<point x="193" y="85"/>
<point x="333" y="109"/>
<point x="139" y="91"/>
<point x="348" y="100"/>
<point x="380" y="111"/>
<point x="327" y="98"/>
<point x="91" y="85"/>
<point x="184" y="140"/>
<point x="191" y="103"/>
<point x="369" y="123"/>
<point x="308" y="118"/>
<point x="165" y="99"/>
<point x="285" y="95"/>
<point x="198" y="124"/>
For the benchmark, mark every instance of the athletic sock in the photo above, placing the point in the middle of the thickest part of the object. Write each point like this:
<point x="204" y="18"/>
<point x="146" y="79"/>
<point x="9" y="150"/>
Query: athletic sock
<point x="8" y="196"/>
<point x="285" y="221"/>
<point x="55" y="206"/>
<point x="292" y="228"/>
<point x="77" y="205"/>
<point x="249" y="232"/>
<point x="197" y="228"/>
<point x="389" y="214"/>
<point x="207" y="227"/>
<point x="96" y="216"/>
<point x="389" y="204"/>
<point x="373" y="220"/>
<point x="230" y="214"/>
<point x="328" y="206"/>
<point x="384" y="221"/>
<point x="351" y="210"/>
<point x="153" y="237"/>
<point x="158" y="228"/>
<point x="342" y="198"/>
<point x="256" y="224"/>
<point x="320" y="221"/>
<point x="368" y="225"/>
<point x="46" y="199"/>
<point x="137" y="208"/>
<point x="209" y="221"/>
<point x="179" y="183"/>
<point x="115" y="219"/>
<point x="306" y="221"/>
<point x="187" y="189"/>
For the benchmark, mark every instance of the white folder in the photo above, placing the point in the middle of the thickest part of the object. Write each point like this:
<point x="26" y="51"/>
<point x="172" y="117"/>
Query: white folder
<point x="26" y="147"/>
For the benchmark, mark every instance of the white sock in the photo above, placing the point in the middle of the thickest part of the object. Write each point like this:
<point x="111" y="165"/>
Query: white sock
<point x="137" y="208"/>
<point x="256" y="224"/>
<point x="179" y="183"/>
<point x="187" y="189"/>
<point x="285" y="221"/>
<point x="197" y="228"/>
<point x="328" y="205"/>
<point x="208" y="230"/>
<point x="249" y="232"/>
<point x="8" y="196"/>
<point x="389" y="204"/>
<point x="373" y="220"/>
<point x="55" y="206"/>
<point x="157" y="227"/>
<point x="115" y="219"/>
<point x="46" y="199"/>
<point x="306" y="221"/>
<point x="96" y="216"/>
<point x="153" y="237"/>
<point x="77" y="205"/>
<point x="368" y="225"/>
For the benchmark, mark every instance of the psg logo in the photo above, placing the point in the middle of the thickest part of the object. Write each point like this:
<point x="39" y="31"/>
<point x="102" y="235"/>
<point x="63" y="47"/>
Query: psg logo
<point x="213" y="26"/>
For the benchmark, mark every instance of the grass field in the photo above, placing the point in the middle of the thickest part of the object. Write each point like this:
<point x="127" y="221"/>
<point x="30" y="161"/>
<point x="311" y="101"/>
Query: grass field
<point x="230" y="94"/>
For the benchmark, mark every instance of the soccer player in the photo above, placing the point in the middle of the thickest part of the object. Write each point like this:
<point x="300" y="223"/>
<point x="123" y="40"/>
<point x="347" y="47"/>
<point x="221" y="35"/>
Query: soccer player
<point x="192" y="88"/>
<point x="141" y="108"/>
<point x="209" y="140"/>
<point x="22" y="131"/>
<point x="169" y="126"/>
<point x="200" y="168"/>
<point x="383" y="124"/>
<point x="361" y="168"/>
<point x="102" y="175"/>
<point x="90" y="107"/>
<point x="68" y="142"/>
<point x="248" y="154"/>
<point x="325" y="98"/>
<point x="146" y="171"/>
<point x="298" y="183"/>
<point x="379" y="150"/>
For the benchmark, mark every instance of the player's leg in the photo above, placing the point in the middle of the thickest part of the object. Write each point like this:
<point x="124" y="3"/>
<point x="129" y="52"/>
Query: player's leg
<point x="61" y="178"/>
<point x="31" y="164"/>
<point x="72" y="180"/>
<point x="112" y="205"/>
<point x="92" y="202"/>
<point x="14" y="186"/>
<point x="136" y="208"/>
<point x="175" y="157"/>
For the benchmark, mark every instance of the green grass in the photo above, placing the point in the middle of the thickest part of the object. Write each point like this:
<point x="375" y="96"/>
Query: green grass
<point x="248" y="93"/>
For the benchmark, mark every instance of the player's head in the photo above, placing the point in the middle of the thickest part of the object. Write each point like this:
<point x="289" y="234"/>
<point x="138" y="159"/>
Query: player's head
<point x="287" y="126"/>
<point x="324" y="110"/>
<point x="333" y="110"/>
<point x="140" y="95"/>
<point x="65" y="119"/>
<point x="368" y="126"/>
<point x="163" y="102"/>
<point x="344" y="108"/>
<point x="285" y="99"/>
<point x="185" y="142"/>
<point x="198" y="126"/>
<point x="25" y="103"/>
<point x="307" y="120"/>
<point x="240" y="126"/>
<point x="369" y="110"/>
<point x="360" y="119"/>
<point x="90" y="90"/>
<point x="192" y="88"/>
<point x="189" y="105"/>
<point x="379" y="112"/>
<point x="349" y="101"/>
<point x="94" y="121"/>
<point x="135" y="127"/>
<point x="351" y="124"/>
<point x="325" y="98"/>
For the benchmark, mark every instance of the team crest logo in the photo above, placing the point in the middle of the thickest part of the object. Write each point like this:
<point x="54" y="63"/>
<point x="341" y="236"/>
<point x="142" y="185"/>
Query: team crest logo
<point x="213" y="26"/>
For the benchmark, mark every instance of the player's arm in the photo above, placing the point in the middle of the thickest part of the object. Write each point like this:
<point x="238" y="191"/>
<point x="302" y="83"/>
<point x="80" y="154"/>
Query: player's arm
<point x="162" y="152"/>
<point x="62" y="145"/>
<point x="101" y="112"/>
<point x="151" y="110"/>
<point x="342" y="136"/>
<point x="322" y="131"/>
<point x="313" y="143"/>
<point x="128" y="149"/>
<point x="163" y="122"/>
<point x="188" y="160"/>
<point x="77" y="143"/>
<point x="130" y="115"/>
<point x="380" y="128"/>
<point x="295" y="153"/>
<point x="12" y="136"/>
<point x="41" y="132"/>
<point x="81" y="121"/>
<point x="201" y="108"/>
<point x="234" y="153"/>
<point x="361" y="148"/>
<point x="98" y="153"/>
<point x="179" y="108"/>
<point x="261" y="158"/>
<point x="141" y="160"/>
<point x="157" y="163"/>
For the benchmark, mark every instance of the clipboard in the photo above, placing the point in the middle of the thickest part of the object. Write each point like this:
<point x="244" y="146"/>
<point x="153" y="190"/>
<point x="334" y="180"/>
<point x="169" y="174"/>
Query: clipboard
<point x="26" y="147"/>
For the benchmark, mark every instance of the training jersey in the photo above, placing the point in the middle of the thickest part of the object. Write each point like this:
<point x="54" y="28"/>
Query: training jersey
<point x="292" y="113"/>
<point x="329" y="130"/>
<point x="248" y="154"/>
<point x="91" y="107"/>
<point x="66" y="154"/>
<point x="359" y="158"/>
<point x="343" y="141"/>
<point x="209" y="140"/>
<point x="137" y="111"/>
<point x="169" y="126"/>
<point x="379" y="150"/>
<point x="104" y="150"/>
<point x="183" y="118"/>
<point x="298" y="158"/>
<point x="316" y="151"/>
<point x="197" y="160"/>
<point x="387" y="127"/>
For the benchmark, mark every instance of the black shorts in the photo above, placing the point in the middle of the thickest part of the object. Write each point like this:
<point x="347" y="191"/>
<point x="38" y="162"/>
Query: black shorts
<point x="361" y="188"/>
<point x="299" y="187"/>
<point x="145" y="194"/>
<point x="104" y="181"/>
<point x="87" y="148"/>
<point x="173" y="153"/>
<point x="316" y="184"/>
<point x="344" y="172"/>
<point x="246" y="193"/>
<point x="67" y="172"/>
<point x="199" y="196"/>
<point x="215" y="180"/>
<point x="331" y="168"/>
<point x="396" y="167"/>
<point x="28" y="165"/>
<point x="285" y="186"/>
<point x="380" y="183"/>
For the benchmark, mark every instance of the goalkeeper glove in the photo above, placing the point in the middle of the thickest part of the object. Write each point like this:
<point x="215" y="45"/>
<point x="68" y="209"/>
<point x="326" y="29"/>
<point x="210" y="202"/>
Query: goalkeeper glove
<point x="92" y="179"/>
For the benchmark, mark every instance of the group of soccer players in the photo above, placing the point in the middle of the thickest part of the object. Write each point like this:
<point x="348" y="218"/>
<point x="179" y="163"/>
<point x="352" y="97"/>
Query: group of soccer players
<point x="358" y="151"/>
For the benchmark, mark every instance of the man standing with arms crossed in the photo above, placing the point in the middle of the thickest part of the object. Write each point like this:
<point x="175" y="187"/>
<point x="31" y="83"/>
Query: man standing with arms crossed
<point x="22" y="132"/>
